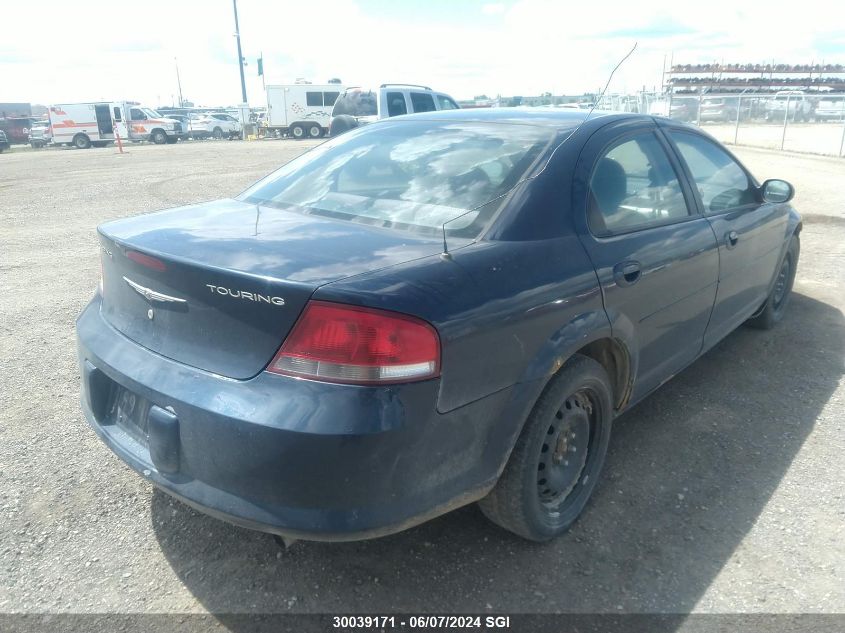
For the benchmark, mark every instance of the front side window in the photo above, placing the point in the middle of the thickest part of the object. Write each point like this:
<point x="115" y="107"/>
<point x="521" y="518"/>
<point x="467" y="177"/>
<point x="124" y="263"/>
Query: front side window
<point x="634" y="186"/>
<point x="721" y="182"/>
<point x="408" y="175"/>
<point x="422" y="102"/>
<point x="446" y="103"/>
<point x="396" y="104"/>
<point x="137" y="115"/>
<point x="314" y="98"/>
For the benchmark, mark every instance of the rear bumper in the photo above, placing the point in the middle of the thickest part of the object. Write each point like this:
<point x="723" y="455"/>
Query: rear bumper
<point x="294" y="457"/>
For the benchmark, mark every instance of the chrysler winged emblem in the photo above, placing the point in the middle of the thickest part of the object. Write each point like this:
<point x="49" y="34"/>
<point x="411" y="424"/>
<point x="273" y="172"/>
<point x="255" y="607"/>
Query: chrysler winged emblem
<point x="152" y="295"/>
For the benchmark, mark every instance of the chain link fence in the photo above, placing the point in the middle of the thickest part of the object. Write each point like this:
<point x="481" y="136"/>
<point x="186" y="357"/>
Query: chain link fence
<point x="793" y="121"/>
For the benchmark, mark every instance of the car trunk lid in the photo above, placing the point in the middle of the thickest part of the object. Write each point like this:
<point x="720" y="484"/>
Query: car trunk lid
<point x="219" y="286"/>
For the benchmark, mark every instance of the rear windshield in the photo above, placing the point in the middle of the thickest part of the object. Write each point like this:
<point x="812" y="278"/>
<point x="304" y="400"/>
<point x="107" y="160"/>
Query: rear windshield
<point x="356" y="102"/>
<point x="409" y="175"/>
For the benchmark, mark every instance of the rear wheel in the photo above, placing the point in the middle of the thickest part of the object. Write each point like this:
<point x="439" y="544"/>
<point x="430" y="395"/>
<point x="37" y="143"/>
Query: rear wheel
<point x="159" y="137"/>
<point x="81" y="141"/>
<point x="555" y="463"/>
<point x="315" y="131"/>
<point x="775" y="306"/>
<point x="297" y="131"/>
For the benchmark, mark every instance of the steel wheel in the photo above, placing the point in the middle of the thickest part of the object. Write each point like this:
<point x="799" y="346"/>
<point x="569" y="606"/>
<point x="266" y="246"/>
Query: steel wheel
<point x="782" y="282"/>
<point x="555" y="463"/>
<point x="564" y="453"/>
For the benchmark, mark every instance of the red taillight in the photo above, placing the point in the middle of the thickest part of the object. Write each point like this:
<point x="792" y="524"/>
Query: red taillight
<point x="146" y="260"/>
<point x="349" y="344"/>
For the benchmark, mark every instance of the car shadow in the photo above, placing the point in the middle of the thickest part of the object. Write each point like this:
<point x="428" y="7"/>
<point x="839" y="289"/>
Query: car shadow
<point x="688" y="472"/>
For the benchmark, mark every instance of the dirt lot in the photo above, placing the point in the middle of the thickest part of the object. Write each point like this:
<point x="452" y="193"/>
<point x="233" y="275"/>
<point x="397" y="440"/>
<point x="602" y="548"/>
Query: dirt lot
<point x="723" y="492"/>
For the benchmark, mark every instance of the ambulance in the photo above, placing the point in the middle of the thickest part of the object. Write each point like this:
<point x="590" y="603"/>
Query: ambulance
<point x="83" y="125"/>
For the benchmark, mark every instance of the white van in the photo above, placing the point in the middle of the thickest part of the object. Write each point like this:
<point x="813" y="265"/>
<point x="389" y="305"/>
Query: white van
<point x="85" y="124"/>
<point x="301" y="110"/>
<point x="359" y="106"/>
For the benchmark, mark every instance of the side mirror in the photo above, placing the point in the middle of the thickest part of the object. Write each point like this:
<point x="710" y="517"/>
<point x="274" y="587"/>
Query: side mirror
<point x="777" y="191"/>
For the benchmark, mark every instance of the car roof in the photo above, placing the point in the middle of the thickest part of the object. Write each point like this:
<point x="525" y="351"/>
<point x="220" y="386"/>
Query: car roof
<point x="563" y="117"/>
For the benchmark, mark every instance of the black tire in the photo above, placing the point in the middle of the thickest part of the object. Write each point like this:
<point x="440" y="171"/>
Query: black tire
<point x="772" y="312"/>
<point x="297" y="131"/>
<point x="342" y="124"/>
<point x="81" y="141"/>
<point x="315" y="131"/>
<point x="217" y="132"/>
<point x="542" y="490"/>
<point x="159" y="137"/>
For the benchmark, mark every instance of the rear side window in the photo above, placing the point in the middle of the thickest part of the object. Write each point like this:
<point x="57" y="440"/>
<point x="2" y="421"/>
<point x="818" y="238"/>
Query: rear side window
<point x="422" y="102"/>
<point x="329" y="98"/>
<point x="314" y="98"/>
<point x="396" y="105"/>
<point x="720" y="180"/>
<point x="634" y="186"/>
<point x="356" y="102"/>
<point x="446" y="103"/>
<point x="117" y="116"/>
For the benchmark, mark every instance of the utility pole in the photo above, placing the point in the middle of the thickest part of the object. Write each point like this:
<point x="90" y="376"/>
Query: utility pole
<point x="240" y="54"/>
<point x="178" y="81"/>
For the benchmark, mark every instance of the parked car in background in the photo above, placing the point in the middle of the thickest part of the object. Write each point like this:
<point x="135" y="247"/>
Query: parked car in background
<point x="39" y="134"/>
<point x="678" y="108"/>
<point x="359" y="106"/>
<point x="17" y="129"/>
<point x="215" y="125"/>
<point x="440" y="309"/>
<point x="797" y="104"/>
<point x="185" y="121"/>
<point x="724" y="109"/>
<point x="830" y="108"/>
<point x="4" y="142"/>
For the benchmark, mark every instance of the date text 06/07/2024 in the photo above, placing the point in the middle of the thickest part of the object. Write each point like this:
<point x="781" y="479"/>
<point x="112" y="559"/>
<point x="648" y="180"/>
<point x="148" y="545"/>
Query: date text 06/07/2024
<point x="420" y="622"/>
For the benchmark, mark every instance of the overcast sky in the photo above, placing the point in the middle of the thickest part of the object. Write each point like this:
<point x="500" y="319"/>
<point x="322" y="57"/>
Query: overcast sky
<point x="61" y="51"/>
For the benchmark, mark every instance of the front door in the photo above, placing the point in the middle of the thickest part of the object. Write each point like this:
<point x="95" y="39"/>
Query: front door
<point x="656" y="258"/>
<point x="750" y="232"/>
<point x="104" y="120"/>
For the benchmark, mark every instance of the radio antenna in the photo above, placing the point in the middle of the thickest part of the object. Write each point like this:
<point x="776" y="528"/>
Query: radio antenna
<point x="551" y="155"/>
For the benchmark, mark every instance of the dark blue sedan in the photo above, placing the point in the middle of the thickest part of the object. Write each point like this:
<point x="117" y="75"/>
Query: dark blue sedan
<point x="426" y="312"/>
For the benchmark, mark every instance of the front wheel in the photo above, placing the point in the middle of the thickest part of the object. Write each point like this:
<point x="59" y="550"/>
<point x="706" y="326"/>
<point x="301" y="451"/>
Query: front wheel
<point x="159" y="137"/>
<point x="217" y="133"/>
<point x="773" y="310"/>
<point x="556" y="461"/>
<point x="81" y="141"/>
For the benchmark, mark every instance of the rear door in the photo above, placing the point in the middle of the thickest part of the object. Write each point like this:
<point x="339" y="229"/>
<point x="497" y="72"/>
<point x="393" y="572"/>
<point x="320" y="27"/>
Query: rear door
<point x="656" y="258"/>
<point x="751" y="234"/>
<point x="422" y="101"/>
<point x="277" y="109"/>
<point x="104" y="120"/>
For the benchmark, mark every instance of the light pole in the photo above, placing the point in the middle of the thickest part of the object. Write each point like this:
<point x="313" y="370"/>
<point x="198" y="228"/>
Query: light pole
<point x="240" y="54"/>
<point x="178" y="81"/>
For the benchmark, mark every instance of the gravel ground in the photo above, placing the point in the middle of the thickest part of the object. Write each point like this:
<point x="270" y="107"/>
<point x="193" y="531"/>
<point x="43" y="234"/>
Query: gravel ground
<point x="723" y="492"/>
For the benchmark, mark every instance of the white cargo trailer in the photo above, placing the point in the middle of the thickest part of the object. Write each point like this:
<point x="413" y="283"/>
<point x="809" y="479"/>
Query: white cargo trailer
<point x="301" y="110"/>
